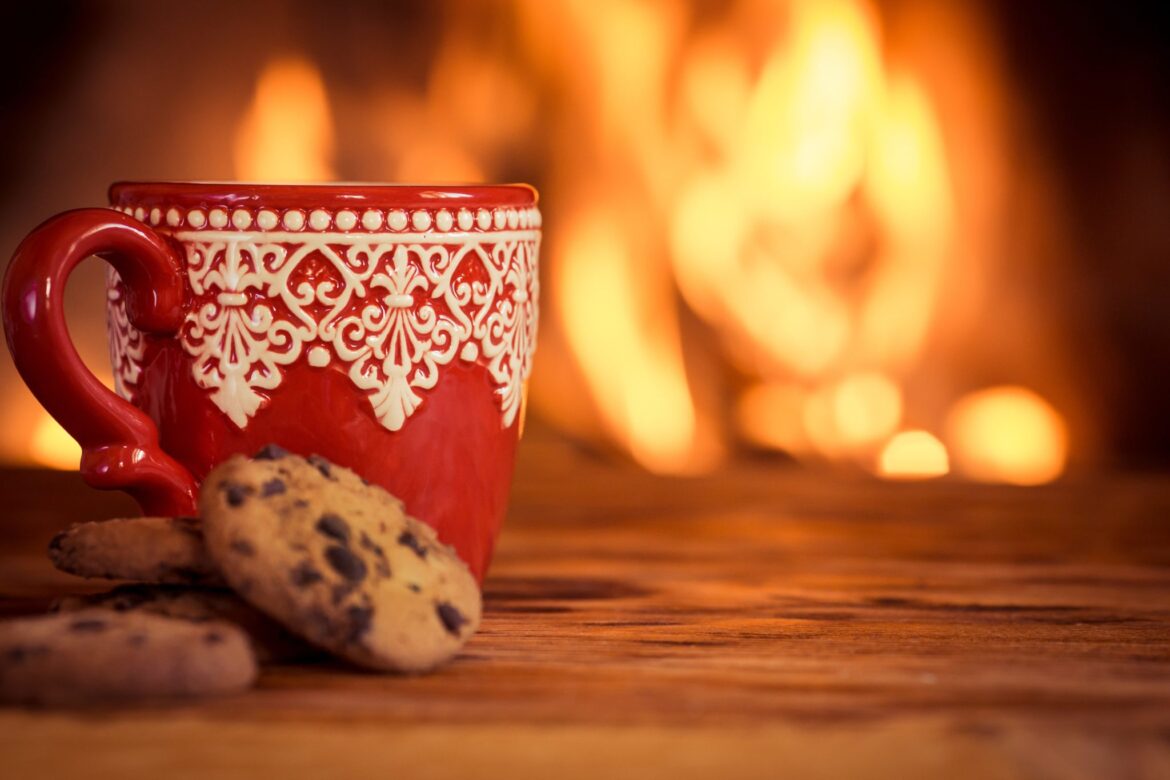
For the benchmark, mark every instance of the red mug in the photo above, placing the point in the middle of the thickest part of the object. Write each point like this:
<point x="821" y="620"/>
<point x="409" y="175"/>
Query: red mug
<point x="387" y="328"/>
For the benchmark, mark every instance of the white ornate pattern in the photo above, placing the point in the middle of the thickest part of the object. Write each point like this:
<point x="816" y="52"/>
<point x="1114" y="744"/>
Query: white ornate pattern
<point x="393" y="307"/>
<point x="126" y="343"/>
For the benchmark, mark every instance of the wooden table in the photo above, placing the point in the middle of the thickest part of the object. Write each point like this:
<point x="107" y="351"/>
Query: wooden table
<point x="768" y="621"/>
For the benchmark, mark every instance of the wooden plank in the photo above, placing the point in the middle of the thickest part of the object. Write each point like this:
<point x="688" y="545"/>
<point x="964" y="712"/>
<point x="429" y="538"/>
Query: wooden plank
<point x="765" y="619"/>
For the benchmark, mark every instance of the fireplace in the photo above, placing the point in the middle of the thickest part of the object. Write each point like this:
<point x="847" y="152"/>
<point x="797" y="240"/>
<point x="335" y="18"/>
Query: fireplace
<point x="905" y="238"/>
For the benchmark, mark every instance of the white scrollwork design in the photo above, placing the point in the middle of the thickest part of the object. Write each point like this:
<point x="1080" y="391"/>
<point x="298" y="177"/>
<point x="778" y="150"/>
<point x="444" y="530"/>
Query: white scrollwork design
<point x="237" y="338"/>
<point x="392" y="308"/>
<point x="127" y="346"/>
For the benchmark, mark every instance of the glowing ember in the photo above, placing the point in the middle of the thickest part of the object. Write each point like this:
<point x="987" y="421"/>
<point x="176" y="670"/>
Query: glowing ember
<point x="769" y="415"/>
<point x="1007" y="434"/>
<point x="866" y="408"/>
<point x="287" y="134"/>
<point x="914" y="455"/>
<point x="51" y="446"/>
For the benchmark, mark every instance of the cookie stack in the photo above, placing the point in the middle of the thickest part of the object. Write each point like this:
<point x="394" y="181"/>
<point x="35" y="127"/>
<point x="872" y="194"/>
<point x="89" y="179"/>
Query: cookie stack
<point x="291" y="558"/>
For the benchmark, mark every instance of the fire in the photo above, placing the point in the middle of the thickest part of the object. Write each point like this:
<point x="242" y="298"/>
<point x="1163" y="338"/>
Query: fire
<point x="914" y="455"/>
<point x="754" y="239"/>
<point x="1007" y="434"/>
<point x="52" y="446"/>
<point x="763" y="223"/>
<point x="632" y="357"/>
<point x="804" y="187"/>
<point x="287" y="132"/>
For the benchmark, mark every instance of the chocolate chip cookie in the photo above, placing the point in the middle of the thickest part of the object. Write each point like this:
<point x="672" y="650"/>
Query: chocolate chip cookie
<point x="143" y="549"/>
<point x="338" y="561"/>
<point x="100" y="655"/>
<point x="271" y="642"/>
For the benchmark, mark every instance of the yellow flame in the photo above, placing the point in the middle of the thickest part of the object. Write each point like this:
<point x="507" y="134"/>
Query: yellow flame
<point x="804" y="140"/>
<point x="769" y="415"/>
<point x="716" y="85"/>
<point x="909" y="187"/>
<point x="1007" y="434"/>
<point x="914" y="455"/>
<point x="867" y="407"/>
<point x="51" y="446"/>
<point x="629" y="350"/>
<point x="287" y="133"/>
<point x="805" y="191"/>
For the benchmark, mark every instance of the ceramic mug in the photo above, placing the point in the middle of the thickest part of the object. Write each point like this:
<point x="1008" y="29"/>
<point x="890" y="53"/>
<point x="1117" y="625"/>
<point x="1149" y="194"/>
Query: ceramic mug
<point x="387" y="328"/>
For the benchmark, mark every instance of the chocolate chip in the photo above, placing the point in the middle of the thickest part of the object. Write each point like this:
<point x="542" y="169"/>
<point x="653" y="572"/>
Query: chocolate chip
<point x="127" y="597"/>
<point x="212" y="638"/>
<point x="270" y="452"/>
<point x="272" y="487"/>
<point x="360" y="619"/>
<point x="346" y="563"/>
<point x="88" y="625"/>
<point x="21" y="653"/>
<point x="381" y="565"/>
<point x="341" y="591"/>
<point x="236" y="493"/>
<point x="414" y="587"/>
<point x="407" y="539"/>
<point x="300" y="503"/>
<point x="334" y="527"/>
<point x="371" y="545"/>
<point x="189" y="525"/>
<point x="243" y="547"/>
<point x="184" y="573"/>
<point x="319" y="623"/>
<point x="451" y="617"/>
<point x="324" y="466"/>
<point x="305" y="574"/>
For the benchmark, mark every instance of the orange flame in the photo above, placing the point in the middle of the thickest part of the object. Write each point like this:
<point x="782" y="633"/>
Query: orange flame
<point x="1007" y="434"/>
<point x="52" y="446"/>
<point x="287" y="132"/>
<point x="632" y="357"/>
<point x="914" y="455"/>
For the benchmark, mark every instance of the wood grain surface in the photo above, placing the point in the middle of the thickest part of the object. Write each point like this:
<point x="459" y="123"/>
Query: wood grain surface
<point x="767" y="621"/>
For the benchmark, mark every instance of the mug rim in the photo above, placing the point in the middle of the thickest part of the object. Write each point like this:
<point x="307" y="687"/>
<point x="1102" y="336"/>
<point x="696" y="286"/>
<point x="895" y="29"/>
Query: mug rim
<point x="319" y="194"/>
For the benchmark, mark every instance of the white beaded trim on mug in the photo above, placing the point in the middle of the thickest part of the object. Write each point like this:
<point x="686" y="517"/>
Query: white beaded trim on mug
<point x="342" y="220"/>
<point x="390" y="306"/>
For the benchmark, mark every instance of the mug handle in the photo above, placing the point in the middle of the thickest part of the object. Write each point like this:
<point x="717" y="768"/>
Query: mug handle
<point x="119" y="442"/>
